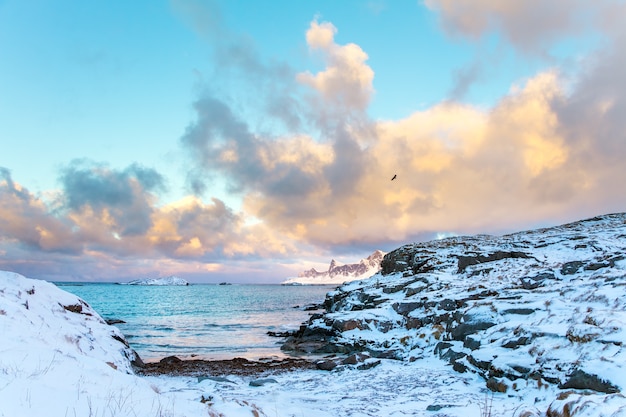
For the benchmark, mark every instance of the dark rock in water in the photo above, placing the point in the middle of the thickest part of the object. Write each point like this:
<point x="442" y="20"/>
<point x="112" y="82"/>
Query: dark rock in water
<point x="280" y="334"/>
<point x="111" y="322"/>
<point x="262" y="381"/>
<point x="581" y="380"/>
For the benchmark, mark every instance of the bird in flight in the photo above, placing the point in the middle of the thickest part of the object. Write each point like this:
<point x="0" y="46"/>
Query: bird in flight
<point x="394" y="177"/>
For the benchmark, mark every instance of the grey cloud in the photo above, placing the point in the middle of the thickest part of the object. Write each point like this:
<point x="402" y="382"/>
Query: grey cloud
<point x="595" y="111"/>
<point x="464" y="78"/>
<point x="218" y="129"/>
<point x="531" y="26"/>
<point x="24" y="219"/>
<point x="125" y="193"/>
<point x="5" y="174"/>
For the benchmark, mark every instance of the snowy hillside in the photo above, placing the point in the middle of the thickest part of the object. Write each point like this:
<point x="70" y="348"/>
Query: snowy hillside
<point x="530" y="313"/>
<point x="338" y="274"/>
<point x="59" y="358"/>
<point x="171" y="280"/>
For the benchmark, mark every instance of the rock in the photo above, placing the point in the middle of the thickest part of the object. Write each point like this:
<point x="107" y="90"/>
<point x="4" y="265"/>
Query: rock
<point x="262" y="381"/>
<point x="465" y="329"/>
<point x="514" y="344"/>
<point x="368" y="364"/>
<point x="581" y="380"/>
<point x="471" y="343"/>
<point x="356" y="358"/>
<point x="520" y="311"/>
<point x="450" y="305"/>
<point x="170" y="360"/>
<point x="346" y="325"/>
<point x="327" y="365"/>
<point x="530" y="285"/>
<point x="496" y="386"/>
<point x="441" y="347"/>
<point x="570" y="268"/>
<point x="502" y="318"/>
<point x="405" y="308"/>
<point x="465" y="261"/>
<point x="215" y="378"/>
<point x="438" y="407"/>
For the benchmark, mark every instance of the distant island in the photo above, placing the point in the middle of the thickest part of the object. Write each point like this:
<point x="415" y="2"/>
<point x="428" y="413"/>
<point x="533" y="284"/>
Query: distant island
<point x="338" y="273"/>
<point x="171" y="280"/>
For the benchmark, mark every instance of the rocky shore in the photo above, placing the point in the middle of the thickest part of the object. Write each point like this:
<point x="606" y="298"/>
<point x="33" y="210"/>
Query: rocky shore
<point x="174" y="366"/>
<point x="523" y="311"/>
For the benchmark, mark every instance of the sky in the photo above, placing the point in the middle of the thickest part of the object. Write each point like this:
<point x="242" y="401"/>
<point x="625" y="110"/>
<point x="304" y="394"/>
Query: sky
<point x="248" y="141"/>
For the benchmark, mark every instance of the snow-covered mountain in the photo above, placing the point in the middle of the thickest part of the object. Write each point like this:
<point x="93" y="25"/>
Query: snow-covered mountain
<point x="171" y="280"/>
<point x="338" y="273"/>
<point x="538" y="314"/>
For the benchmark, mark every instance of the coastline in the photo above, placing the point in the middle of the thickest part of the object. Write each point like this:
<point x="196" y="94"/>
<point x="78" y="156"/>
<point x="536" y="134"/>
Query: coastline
<point x="174" y="366"/>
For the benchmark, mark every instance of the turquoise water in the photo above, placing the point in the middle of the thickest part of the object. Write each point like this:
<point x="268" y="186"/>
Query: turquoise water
<point x="204" y="321"/>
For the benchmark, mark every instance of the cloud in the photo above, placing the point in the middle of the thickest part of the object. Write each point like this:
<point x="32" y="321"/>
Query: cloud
<point x="110" y="219"/>
<point x="463" y="79"/>
<point x="346" y="82"/>
<point x="460" y="168"/>
<point x="531" y="26"/>
<point x="26" y="221"/>
<point x="125" y="196"/>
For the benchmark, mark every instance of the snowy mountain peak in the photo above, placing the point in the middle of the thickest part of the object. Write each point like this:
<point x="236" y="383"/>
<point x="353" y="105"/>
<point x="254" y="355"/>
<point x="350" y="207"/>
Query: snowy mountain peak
<point x="339" y="273"/>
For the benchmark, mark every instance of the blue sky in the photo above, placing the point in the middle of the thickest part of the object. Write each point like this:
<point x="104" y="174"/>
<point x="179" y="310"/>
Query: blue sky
<point x="251" y="140"/>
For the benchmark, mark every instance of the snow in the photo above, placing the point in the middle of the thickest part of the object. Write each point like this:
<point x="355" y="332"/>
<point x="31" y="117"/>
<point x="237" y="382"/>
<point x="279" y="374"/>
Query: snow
<point x="58" y="357"/>
<point x="171" y="280"/>
<point x="56" y="362"/>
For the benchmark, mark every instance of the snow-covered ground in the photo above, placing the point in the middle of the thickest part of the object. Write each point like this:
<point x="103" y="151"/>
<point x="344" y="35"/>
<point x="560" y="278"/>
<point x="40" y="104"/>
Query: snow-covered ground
<point x="58" y="357"/>
<point x="171" y="280"/>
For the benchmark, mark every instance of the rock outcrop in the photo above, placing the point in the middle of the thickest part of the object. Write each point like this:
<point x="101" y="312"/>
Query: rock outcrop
<point x="543" y="307"/>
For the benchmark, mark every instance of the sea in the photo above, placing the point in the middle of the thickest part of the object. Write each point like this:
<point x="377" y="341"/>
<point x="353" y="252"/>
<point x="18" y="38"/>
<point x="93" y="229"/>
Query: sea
<point x="202" y="321"/>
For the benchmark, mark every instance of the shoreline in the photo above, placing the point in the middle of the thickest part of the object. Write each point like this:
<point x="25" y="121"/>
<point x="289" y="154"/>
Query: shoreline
<point x="174" y="366"/>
